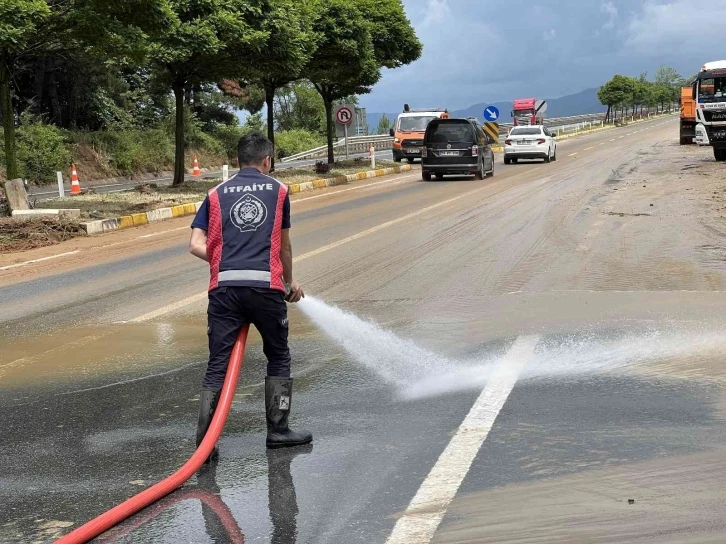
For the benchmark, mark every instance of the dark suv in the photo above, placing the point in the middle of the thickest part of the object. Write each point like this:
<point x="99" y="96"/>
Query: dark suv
<point x="456" y="146"/>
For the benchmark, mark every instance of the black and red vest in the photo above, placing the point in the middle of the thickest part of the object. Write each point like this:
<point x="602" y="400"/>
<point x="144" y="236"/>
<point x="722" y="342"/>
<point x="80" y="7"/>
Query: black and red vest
<point x="244" y="234"/>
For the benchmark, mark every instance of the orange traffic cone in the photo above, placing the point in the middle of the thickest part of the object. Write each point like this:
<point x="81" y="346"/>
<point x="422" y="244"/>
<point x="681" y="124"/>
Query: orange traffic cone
<point x="197" y="172"/>
<point x="75" y="185"/>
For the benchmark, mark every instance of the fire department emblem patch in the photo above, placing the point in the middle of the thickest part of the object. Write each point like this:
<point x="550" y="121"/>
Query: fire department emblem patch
<point x="248" y="213"/>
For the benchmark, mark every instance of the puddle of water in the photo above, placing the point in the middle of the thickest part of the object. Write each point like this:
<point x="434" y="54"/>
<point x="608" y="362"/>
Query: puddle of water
<point x="417" y="373"/>
<point x="79" y="354"/>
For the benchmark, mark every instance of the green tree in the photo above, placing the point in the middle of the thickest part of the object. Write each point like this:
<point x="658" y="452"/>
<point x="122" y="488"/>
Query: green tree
<point x="395" y="43"/>
<point x="384" y="125"/>
<point x="204" y="42"/>
<point x="641" y="88"/>
<point x="289" y="44"/>
<point x="33" y="29"/>
<point x="20" y="23"/>
<point x="299" y="106"/>
<point x="359" y="38"/>
<point x="669" y="82"/>
<point x="344" y="62"/>
<point x="616" y="93"/>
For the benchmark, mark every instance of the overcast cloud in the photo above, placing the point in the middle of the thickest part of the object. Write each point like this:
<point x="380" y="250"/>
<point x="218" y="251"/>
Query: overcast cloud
<point x="481" y="51"/>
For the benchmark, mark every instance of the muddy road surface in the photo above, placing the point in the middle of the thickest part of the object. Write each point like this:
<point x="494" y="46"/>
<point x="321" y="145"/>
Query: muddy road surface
<point x="536" y="357"/>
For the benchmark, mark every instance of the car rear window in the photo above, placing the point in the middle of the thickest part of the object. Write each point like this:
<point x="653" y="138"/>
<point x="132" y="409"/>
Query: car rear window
<point x="525" y="131"/>
<point x="450" y="132"/>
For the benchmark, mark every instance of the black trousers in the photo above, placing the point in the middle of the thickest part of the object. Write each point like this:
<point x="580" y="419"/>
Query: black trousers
<point x="229" y="309"/>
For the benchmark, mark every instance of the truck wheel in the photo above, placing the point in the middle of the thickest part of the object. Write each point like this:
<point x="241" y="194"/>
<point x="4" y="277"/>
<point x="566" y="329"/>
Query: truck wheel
<point x="426" y="176"/>
<point x="410" y="160"/>
<point x="549" y="153"/>
<point x="719" y="154"/>
<point x="507" y="160"/>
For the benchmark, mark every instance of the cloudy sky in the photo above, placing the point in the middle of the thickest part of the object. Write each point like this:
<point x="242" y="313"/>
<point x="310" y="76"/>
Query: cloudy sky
<point x="487" y="51"/>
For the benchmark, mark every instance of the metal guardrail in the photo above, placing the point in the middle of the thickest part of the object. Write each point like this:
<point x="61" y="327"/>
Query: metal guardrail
<point x="361" y="144"/>
<point x="356" y="144"/>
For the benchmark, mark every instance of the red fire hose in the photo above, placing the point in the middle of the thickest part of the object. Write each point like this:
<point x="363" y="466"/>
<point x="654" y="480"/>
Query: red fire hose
<point x="149" y="496"/>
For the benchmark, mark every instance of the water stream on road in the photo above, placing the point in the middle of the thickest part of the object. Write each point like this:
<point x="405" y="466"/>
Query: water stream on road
<point x="418" y="373"/>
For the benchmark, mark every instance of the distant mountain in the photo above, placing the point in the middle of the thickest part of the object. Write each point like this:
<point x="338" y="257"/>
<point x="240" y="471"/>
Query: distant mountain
<point x="565" y="106"/>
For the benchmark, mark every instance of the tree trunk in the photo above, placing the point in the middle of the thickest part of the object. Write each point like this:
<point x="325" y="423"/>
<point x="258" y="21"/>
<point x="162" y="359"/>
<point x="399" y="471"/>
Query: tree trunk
<point x="269" y="100"/>
<point x="56" y="112"/>
<point x="197" y="99"/>
<point x="330" y="127"/>
<point x="607" y="114"/>
<point x="179" y="135"/>
<point x="39" y="86"/>
<point x="8" y="115"/>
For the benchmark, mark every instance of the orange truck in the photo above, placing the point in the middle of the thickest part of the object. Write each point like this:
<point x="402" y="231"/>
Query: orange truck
<point x="688" y="116"/>
<point x="408" y="132"/>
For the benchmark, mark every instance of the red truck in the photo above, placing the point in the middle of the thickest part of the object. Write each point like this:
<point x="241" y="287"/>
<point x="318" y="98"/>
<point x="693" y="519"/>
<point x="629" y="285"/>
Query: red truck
<point x="528" y="111"/>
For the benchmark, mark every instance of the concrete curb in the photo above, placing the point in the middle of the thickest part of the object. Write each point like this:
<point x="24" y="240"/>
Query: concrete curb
<point x="137" y="219"/>
<point x="340" y="180"/>
<point x="100" y="226"/>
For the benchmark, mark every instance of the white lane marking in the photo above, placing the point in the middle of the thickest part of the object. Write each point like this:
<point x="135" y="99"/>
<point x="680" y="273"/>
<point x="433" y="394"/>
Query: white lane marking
<point x="199" y="296"/>
<point x="333" y="193"/>
<point x="603" y="143"/>
<point x="428" y="507"/>
<point x="187" y="227"/>
<point x="165" y="231"/>
<point x="168" y="308"/>
<point x="612" y="140"/>
<point x="572" y="154"/>
<point x="589" y="148"/>
<point x="621" y="137"/>
<point x="8" y="267"/>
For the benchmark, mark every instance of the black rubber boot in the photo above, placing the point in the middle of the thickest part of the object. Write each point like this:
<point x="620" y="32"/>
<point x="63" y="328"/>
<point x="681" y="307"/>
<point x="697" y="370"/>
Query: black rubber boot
<point x="208" y="400"/>
<point x="278" y="401"/>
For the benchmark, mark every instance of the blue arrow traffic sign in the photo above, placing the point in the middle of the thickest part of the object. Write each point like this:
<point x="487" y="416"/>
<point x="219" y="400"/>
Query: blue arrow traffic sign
<point x="491" y="113"/>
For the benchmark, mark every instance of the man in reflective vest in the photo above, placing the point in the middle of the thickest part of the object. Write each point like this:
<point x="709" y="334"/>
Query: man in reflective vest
<point x="243" y="230"/>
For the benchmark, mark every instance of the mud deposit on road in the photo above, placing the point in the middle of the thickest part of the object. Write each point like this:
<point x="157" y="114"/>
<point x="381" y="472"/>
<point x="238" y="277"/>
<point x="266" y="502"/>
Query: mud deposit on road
<point x="677" y="500"/>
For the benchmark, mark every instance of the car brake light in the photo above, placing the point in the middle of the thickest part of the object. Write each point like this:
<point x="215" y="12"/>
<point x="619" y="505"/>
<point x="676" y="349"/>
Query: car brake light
<point x="507" y="142"/>
<point x="474" y="151"/>
<point x="424" y="152"/>
<point x="541" y="141"/>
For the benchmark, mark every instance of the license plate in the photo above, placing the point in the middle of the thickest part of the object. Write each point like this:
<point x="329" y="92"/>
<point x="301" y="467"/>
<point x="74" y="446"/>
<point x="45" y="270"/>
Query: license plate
<point x="525" y="142"/>
<point x="449" y="153"/>
<point x="413" y="150"/>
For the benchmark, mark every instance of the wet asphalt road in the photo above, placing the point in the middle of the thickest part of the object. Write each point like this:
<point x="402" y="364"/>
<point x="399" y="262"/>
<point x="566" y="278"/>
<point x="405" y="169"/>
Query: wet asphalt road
<point x="96" y="408"/>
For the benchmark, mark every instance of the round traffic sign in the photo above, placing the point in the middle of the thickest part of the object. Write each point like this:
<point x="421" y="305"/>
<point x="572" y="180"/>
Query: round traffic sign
<point x="491" y="113"/>
<point x="344" y="115"/>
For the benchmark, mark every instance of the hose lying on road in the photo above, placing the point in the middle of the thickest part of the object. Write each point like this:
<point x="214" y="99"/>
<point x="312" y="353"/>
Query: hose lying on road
<point x="149" y="496"/>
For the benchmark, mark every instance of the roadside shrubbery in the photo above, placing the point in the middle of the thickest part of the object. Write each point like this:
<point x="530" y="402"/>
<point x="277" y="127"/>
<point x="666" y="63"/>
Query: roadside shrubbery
<point x="41" y="150"/>
<point x="44" y="149"/>
<point x="294" y="141"/>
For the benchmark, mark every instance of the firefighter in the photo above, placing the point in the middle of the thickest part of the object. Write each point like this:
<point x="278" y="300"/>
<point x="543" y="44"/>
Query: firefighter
<point x="243" y="230"/>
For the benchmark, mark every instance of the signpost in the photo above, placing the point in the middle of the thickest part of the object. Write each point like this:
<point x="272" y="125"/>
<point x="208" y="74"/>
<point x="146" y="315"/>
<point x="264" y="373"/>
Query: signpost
<point x="344" y="116"/>
<point x="491" y="114"/>
<point x="492" y="131"/>
<point x="540" y="107"/>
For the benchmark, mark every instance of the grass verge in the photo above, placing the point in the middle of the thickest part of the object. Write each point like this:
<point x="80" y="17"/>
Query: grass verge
<point x="148" y="197"/>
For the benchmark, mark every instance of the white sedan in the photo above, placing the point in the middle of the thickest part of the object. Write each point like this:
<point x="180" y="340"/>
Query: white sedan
<point x="531" y="142"/>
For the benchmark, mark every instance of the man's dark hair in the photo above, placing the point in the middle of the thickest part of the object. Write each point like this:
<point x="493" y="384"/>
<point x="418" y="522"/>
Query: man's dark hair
<point x="253" y="148"/>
